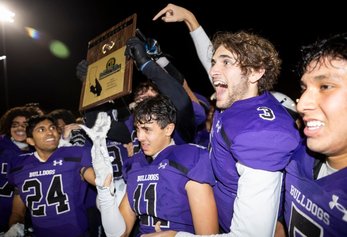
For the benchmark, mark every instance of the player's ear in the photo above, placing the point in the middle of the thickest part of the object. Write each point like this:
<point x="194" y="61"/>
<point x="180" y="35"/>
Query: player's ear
<point x="169" y="129"/>
<point x="30" y="141"/>
<point x="255" y="75"/>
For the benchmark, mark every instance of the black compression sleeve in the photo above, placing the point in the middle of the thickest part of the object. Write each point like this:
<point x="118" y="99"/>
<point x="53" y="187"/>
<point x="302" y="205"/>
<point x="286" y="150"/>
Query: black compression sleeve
<point x="169" y="87"/>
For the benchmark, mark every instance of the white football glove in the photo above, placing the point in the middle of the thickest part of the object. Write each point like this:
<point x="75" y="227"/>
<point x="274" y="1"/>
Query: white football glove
<point x="16" y="230"/>
<point x="101" y="160"/>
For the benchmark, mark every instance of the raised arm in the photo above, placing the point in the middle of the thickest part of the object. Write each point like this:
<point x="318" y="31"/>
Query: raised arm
<point x="174" y="13"/>
<point x="101" y="160"/>
<point x="113" y="221"/>
<point x="202" y="43"/>
<point x="167" y="85"/>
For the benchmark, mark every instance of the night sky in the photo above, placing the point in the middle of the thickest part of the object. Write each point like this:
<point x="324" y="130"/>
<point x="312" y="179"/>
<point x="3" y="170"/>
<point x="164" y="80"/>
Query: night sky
<point x="34" y="74"/>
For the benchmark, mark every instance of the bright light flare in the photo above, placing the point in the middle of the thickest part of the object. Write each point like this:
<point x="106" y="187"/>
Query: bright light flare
<point x="59" y="49"/>
<point x="6" y="15"/>
<point x="34" y="34"/>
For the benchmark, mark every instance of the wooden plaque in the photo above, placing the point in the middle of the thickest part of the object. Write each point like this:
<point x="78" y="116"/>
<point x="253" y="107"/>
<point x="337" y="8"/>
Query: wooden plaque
<point x="109" y="74"/>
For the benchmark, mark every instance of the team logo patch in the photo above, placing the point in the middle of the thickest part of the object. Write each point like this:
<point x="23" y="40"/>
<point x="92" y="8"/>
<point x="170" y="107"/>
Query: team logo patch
<point x="57" y="162"/>
<point x="334" y="203"/>
<point x="218" y="126"/>
<point x="162" y="165"/>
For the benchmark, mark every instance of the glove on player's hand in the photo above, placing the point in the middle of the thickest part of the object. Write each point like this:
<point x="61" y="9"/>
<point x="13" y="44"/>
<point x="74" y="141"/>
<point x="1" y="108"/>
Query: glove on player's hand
<point x="136" y="49"/>
<point x="101" y="160"/>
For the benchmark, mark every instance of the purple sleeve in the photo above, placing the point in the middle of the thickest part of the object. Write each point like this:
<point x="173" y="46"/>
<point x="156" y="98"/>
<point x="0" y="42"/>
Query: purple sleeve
<point x="199" y="113"/>
<point x="202" y="171"/>
<point x="169" y="87"/>
<point x="267" y="150"/>
<point x="87" y="157"/>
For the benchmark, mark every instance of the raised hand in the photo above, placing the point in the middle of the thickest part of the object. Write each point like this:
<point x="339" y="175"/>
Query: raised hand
<point x="101" y="160"/>
<point x="100" y="128"/>
<point x="136" y="49"/>
<point x="174" y="13"/>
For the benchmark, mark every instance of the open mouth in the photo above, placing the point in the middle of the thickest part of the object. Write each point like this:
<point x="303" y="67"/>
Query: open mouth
<point x="313" y="125"/>
<point x="220" y="84"/>
<point x="20" y="133"/>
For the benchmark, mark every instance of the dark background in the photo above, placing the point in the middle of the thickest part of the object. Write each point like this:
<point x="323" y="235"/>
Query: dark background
<point x="35" y="75"/>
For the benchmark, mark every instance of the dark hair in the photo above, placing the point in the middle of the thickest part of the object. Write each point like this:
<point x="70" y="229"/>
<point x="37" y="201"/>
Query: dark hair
<point x="34" y="120"/>
<point x="144" y="86"/>
<point x="158" y="108"/>
<point x="34" y="108"/>
<point x="334" y="47"/>
<point x="66" y="115"/>
<point x="252" y="52"/>
<point x="7" y="119"/>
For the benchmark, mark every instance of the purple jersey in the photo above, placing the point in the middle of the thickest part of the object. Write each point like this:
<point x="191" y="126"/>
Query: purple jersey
<point x="129" y="122"/>
<point x="120" y="154"/>
<point x="199" y="113"/>
<point x="202" y="136"/>
<point x="8" y="152"/>
<point x="156" y="190"/>
<point x="53" y="191"/>
<point x="314" y="207"/>
<point x="257" y="132"/>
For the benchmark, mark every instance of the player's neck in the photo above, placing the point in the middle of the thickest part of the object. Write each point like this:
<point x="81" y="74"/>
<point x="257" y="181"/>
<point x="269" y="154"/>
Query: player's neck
<point x="169" y="143"/>
<point x="21" y="145"/>
<point x="44" y="155"/>
<point x="337" y="162"/>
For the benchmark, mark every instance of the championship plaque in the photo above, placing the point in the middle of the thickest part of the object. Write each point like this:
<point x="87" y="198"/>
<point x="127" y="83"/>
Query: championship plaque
<point x="109" y="74"/>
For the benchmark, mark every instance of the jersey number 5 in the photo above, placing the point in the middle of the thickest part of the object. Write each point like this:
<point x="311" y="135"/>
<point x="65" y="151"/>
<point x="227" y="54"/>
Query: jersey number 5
<point x="302" y="225"/>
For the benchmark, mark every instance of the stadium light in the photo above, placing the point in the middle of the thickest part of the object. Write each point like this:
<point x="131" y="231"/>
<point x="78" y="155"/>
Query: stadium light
<point x="6" y="16"/>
